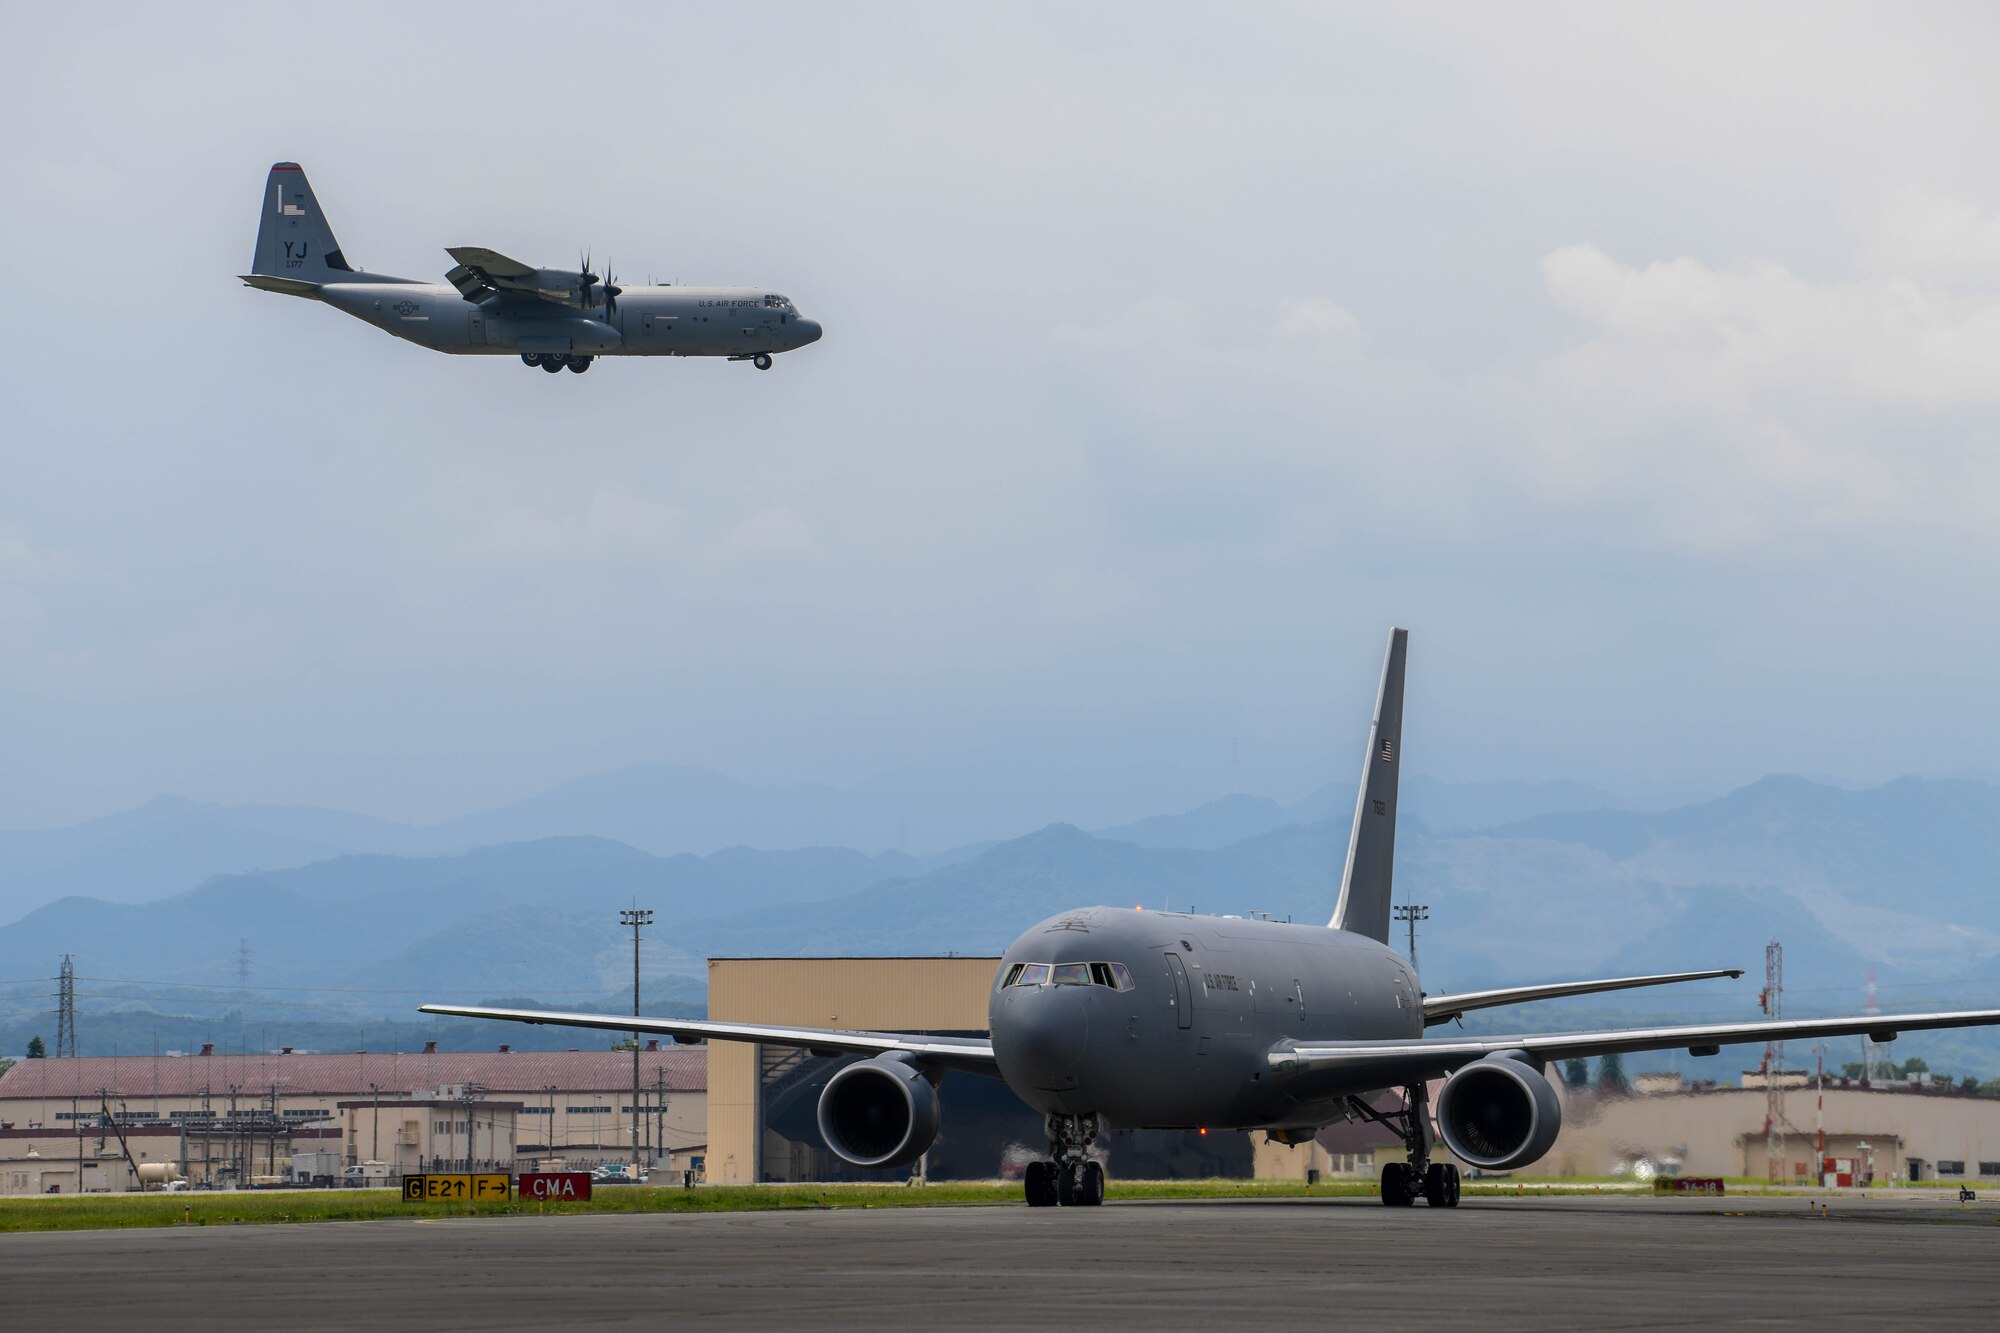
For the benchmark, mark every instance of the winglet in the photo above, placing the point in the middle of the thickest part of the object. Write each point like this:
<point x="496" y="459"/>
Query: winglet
<point x="1365" y="883"/>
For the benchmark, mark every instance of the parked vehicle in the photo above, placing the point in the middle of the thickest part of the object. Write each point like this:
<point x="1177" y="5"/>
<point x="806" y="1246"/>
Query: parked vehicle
<point x="366" y="1175"/>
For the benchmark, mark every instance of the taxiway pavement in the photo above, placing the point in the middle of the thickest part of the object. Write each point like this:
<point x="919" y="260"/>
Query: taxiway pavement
<point x="1599" y="1262"/>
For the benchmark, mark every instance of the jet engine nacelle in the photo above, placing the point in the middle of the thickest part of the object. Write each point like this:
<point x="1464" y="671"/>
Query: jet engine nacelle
<point x="879" y="1113"/>
<point x="1498" y="1113"/>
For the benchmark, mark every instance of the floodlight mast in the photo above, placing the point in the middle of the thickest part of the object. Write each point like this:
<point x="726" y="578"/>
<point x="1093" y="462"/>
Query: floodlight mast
<point x="636" y="918"/>
<point x="1413" y="913"/>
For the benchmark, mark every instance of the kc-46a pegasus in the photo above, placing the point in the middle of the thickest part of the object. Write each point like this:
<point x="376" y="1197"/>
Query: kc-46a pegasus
<point x="1109" y="1016"/>
<point x="490" y="305"/>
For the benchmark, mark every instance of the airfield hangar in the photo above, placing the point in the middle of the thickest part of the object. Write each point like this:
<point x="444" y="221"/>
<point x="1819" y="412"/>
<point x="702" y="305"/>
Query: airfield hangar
<point x="98" y="1123"/>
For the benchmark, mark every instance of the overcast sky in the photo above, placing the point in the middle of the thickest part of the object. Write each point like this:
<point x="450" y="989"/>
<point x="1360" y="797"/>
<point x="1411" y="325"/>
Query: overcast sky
<point x="1645" y="362"/>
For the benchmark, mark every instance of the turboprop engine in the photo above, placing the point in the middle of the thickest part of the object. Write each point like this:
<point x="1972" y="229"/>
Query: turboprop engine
<point x="880" y="1112"/>
<point x="1499" y="1112"/>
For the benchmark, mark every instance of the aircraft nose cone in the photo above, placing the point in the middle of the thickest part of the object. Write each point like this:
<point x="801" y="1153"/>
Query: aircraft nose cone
<point x="808" y="331"/>
<point x="1042" y="1039"/>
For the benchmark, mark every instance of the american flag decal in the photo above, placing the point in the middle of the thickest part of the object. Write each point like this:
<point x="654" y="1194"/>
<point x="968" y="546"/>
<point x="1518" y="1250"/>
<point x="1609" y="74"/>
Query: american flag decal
<point x="1388" y="749"/>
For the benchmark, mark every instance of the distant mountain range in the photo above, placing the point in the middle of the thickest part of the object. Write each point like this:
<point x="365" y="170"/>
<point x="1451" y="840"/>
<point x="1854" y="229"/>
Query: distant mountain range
<point x="1891" y="879"/>
<point x="171" y="844"/>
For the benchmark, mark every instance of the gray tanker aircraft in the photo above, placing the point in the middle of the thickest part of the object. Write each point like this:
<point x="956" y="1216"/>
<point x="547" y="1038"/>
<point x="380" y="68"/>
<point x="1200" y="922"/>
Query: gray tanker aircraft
<point x="490" y="305"/>
<point x="1168" y="1020"/>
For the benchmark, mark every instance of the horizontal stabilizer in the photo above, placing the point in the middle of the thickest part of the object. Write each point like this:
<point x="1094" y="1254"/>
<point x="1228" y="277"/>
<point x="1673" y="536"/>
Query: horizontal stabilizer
<point x="283" y="286"/>
<point x="1444" y="1008"/>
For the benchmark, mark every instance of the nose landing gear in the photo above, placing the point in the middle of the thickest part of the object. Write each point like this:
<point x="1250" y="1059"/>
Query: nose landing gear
<point x="1403" y="1183"/>
<point x="1074" y="1179"/>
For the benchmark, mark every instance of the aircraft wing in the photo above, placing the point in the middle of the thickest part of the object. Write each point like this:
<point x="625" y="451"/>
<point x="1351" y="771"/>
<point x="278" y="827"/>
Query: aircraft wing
<point x="481" y="273"/>
<point x="494" y="263"/>
<point x="1444" y="1008"/>
<point x="973" y="1055"/>
<point x="1410" y="1061"/>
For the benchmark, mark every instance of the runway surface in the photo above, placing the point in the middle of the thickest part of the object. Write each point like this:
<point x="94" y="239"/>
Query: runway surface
<point x="1599" y="1262"/>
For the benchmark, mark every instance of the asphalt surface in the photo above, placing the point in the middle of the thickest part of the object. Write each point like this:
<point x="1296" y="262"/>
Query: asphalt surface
<point x="1561" y="1262"/>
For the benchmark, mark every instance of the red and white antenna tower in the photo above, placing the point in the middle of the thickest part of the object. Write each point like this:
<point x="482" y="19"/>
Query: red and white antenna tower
<point x="1773" y="1003"/>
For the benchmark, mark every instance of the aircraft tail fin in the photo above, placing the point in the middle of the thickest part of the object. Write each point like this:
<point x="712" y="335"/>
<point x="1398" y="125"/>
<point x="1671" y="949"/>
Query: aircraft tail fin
<point x="1365" y="883"/>
<point x="294" y="241"/>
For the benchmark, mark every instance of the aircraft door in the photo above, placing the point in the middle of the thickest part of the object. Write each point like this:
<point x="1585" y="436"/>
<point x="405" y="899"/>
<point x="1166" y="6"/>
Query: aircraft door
<point x="477" y="337"/>
<point x="1183" y="994"/>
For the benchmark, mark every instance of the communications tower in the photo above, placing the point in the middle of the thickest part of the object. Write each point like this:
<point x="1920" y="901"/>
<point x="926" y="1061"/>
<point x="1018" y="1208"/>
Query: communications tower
<point x="66" y="1009"/>
<point x="1773" y="1003"/>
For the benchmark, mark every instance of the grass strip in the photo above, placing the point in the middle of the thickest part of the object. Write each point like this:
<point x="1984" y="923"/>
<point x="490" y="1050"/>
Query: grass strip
<point x="199" y="1208"/>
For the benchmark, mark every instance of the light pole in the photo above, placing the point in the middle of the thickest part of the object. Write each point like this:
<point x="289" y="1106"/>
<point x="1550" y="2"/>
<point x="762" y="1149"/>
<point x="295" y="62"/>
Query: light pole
<point x="375" y="1132"/>
<point x="1413" y="913"/>
<point x="636" y="918"/>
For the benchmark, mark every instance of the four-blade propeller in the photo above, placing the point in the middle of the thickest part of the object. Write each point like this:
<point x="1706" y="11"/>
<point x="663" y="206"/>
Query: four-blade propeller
<point x="587" y="279"/>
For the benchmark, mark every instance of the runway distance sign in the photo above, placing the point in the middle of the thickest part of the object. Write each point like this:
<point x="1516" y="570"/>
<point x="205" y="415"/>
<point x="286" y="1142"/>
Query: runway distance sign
<point x="555" y="1186"/>
<point x="457" y="1187"/>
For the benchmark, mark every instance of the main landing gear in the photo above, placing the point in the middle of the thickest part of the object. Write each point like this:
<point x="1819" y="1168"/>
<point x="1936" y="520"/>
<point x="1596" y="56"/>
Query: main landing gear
<point x="1074" y="1179"/>
<point x="553" y="362"/>
<point x="1403" y="1183"/>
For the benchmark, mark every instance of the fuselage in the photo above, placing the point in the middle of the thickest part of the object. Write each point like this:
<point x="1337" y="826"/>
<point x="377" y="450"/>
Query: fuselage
<point x="1179" y="1032"/>
<point x="646" y="321"/>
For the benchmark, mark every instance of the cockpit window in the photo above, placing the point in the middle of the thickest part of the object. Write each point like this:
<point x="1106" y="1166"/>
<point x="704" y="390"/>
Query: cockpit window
<point x="1111" y="976"/>
<point x="776" y="303"/>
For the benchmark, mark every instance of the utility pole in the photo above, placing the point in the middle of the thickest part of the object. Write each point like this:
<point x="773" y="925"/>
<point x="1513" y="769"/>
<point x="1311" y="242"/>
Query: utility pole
<point x="66" y="1012"/>
<point x="660" y="1116"/>
<point x="636" y="918"/>
<point x="1413" y="913"/>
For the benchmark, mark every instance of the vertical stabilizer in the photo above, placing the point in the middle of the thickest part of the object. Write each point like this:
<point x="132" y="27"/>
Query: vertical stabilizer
<point x="293" y="238"/>
<point x="1371" y="848"/>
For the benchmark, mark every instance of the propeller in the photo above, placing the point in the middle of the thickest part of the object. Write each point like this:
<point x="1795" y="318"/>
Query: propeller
<point x="612" y="291"/>
<point x="586" y="280"/>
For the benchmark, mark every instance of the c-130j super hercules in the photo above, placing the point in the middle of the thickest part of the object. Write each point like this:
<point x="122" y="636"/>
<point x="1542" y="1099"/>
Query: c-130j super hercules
<point x="1173" y="1021"/>
<point x="491" y="305"/>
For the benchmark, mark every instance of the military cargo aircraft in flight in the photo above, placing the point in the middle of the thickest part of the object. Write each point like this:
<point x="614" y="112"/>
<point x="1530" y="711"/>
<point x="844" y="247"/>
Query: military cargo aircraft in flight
<point x="490" y="305"/>
<point x="1167" y="1020"/>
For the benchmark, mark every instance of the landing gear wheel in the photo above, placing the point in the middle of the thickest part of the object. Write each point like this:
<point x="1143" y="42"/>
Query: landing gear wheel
<point x="531" y="358"/>
<point x="1441" y="1185"/>
<point x="553" y="363"/>
<point x="579" y="364"/>
<point x="762" y="360"/>
<point x="1396" y="1185"/>
<point x="1090" y="1186"/>
<point x="1040" y="1180"/>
